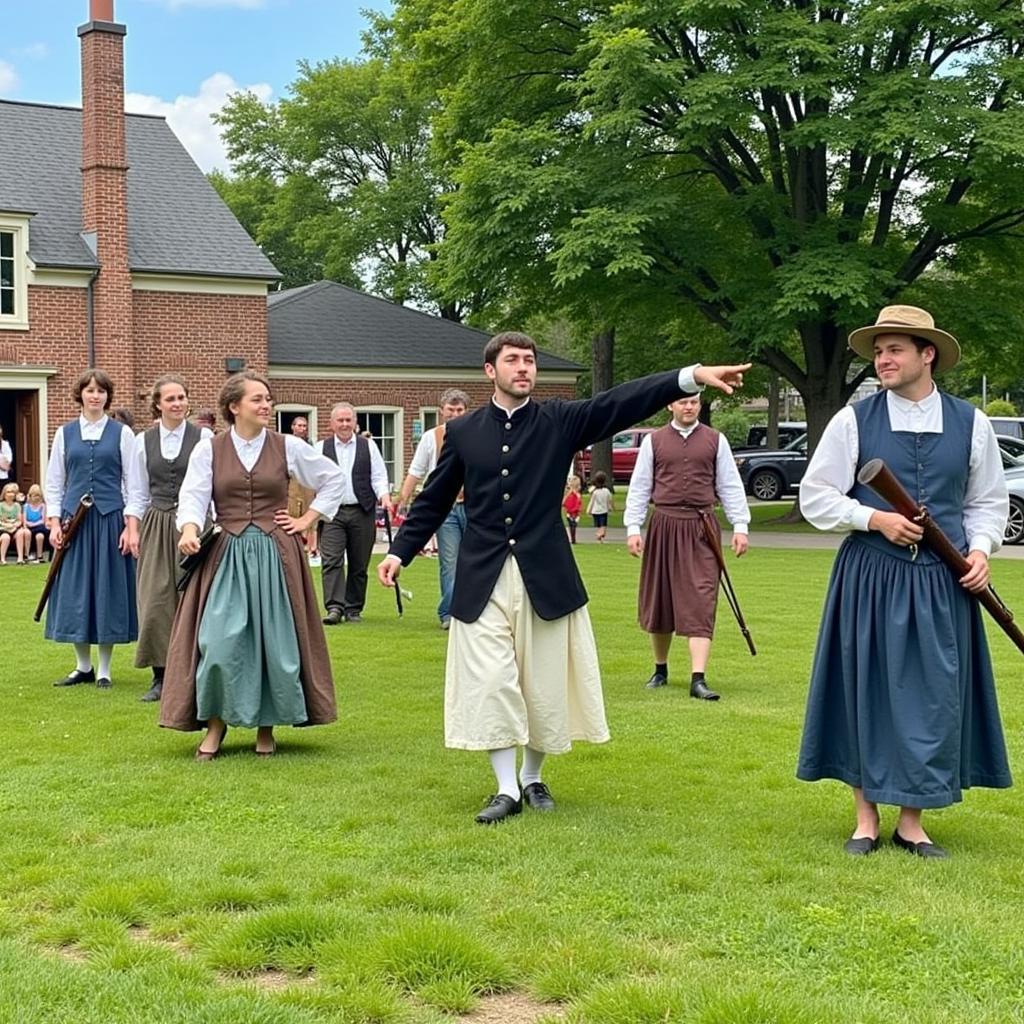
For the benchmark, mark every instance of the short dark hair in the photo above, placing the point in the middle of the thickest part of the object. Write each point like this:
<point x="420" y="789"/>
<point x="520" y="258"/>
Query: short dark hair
<point x="207" y="416"/>
<point x="922" y="343"/>
<point x="507" y="339"/>
<point x="158" y="386"/>
<point x="234" y="389"/>
<point x="599" y="479"/>
<point x="84" y="380"/>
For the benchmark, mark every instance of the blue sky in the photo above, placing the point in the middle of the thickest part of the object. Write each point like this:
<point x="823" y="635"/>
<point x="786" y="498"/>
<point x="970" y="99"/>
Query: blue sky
<point x="182" y="57"/>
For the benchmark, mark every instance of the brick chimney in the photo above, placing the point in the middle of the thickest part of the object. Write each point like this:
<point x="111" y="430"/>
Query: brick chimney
<point x="105" y="193"/>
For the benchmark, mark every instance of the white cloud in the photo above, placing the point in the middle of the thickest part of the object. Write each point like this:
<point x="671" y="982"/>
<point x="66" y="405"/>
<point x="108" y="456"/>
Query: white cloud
<point x="190" y="116"/>
<point x="35" y="51"/>
<point x="8" y="77"/>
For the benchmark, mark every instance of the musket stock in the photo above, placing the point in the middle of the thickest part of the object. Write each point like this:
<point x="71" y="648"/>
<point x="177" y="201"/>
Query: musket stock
<point x="877" y="475"/>
<point x="68" y="528"/>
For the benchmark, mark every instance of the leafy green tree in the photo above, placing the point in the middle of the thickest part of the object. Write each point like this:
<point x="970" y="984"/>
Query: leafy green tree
<point x="782" y="167"/>
<point x="340" y="175"/>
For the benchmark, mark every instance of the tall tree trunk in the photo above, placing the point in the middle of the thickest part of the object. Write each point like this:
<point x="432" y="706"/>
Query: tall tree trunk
<point x="602" y="374"/>
<point x="772" y="440"/>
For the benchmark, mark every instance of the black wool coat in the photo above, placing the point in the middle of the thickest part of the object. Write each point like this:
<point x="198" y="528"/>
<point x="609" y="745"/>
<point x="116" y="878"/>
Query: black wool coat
<point x="514" y="470"/>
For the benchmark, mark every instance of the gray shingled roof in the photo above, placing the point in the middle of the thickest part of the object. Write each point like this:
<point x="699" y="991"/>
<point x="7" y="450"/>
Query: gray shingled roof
<point x="329" y="324"/>
<point x="176" y="221"/>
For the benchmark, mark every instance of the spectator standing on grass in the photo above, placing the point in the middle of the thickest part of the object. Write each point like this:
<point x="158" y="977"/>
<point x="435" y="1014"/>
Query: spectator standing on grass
<point x="452" y="404"/>
<point x="12" y="525"/>
<point x="93" y="596"/>
<point x="522" y="668"/>
<point x="600" y="504"/>
<point x="685" y="468"/>
<point x="902" y="703"/>
<point x="247" y="648"/>
<point x="346" y="541"/>
<point x="299" y="497"/>
<point x="572" y="503"/>
<point x="35" y="523"/>
<point x="161" y="458"/>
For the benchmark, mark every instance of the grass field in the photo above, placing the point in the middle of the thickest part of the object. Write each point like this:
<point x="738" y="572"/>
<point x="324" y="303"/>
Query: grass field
<point x="686" y="875"/>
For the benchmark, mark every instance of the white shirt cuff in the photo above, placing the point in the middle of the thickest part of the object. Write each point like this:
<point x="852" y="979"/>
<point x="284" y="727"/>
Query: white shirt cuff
<point x="740" y="528"/>
<point x="862" y="517"/>
<point x="393" y="557"/>
<point x="979" y="542"/>
<point x="633" y="531"/>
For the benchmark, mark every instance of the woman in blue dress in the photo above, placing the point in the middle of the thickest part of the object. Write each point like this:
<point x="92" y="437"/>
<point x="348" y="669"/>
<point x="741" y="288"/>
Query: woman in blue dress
<point x="93" y="597"/>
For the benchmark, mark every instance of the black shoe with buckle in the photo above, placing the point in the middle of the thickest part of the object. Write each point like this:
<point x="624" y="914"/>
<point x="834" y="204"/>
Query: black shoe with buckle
<point x="103" y="683"/>
<point x="538" y="797"/>
<point x="76" y="678"/>
<point x="656" y="680"/>
<point x="353" y="616"/>
<point x="499" y="808"/>
<point x="701" y="691"/>
<point x="920" y="849"/>
<point x="334" y="616"/>
<point x="153" y="693"/>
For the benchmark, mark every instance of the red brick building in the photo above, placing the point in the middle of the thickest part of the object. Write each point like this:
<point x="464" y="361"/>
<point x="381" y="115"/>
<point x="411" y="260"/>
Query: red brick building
<point x="115" y="251"/>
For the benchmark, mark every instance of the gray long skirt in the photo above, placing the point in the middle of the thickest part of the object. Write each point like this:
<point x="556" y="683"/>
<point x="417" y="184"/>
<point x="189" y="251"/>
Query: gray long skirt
<point x="902" y="701"/>
<point x="156" y="593"/>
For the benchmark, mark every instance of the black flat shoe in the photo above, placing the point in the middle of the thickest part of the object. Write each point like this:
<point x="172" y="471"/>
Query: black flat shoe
<point x="500" y="808"/>
<point x="153" y="693"/>
<point x="103" y="683"/>
<point x="76" y="678"/>
<point x="538" y="797"/>
<point x="920" y="849"/>
<point x="861" y="846"/>
<point x="333" y="617"/>
<point x="656" y="680"/>
<point x="209" y="755"/>
<point x="701" y="691"/>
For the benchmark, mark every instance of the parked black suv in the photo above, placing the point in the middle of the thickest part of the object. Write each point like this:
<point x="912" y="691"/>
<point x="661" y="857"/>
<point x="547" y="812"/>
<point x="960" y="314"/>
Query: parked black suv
<point x="768" y="474"/>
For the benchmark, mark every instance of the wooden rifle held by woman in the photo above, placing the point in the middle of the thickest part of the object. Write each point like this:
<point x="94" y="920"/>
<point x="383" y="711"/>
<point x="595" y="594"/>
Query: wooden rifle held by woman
<point x="69" y="527"/>
<point x="877" y="475"/>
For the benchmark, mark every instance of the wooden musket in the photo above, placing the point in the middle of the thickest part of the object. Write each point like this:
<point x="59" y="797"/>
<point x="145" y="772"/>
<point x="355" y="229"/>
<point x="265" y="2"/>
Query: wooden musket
<point x="69" y="527"/>
<point x="877" y="475"/>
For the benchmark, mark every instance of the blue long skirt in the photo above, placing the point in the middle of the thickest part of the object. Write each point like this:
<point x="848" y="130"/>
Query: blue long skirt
<point x="93" y="598"/>
<point x="902" y="702"/>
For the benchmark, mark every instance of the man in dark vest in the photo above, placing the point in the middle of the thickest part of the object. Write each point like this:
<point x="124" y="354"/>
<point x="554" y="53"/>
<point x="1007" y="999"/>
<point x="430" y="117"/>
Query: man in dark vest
<point x="350" y="534"/>
<point x="902" y="704"/>
<point x="522" y="667"/>
<point x="685" y="468"/>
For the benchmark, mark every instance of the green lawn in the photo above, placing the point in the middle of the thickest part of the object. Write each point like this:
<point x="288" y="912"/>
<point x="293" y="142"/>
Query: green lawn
<point x="686" y="876"/>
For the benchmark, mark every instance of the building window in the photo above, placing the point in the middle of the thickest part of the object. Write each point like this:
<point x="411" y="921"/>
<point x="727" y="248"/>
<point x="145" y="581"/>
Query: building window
<point x="14" y="267"/>
<point x="383" y="426"/>
<point x="8" y="305"/>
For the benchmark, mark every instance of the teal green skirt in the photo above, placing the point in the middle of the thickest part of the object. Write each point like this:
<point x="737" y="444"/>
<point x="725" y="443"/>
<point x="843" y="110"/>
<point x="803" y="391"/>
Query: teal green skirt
<point x="248" y="671"/>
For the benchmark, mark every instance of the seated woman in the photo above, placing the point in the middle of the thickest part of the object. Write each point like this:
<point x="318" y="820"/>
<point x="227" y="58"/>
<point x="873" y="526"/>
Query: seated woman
<point x="35" y="523"/>
<point x="247" y="647"/>
<point x="11" y="525"/>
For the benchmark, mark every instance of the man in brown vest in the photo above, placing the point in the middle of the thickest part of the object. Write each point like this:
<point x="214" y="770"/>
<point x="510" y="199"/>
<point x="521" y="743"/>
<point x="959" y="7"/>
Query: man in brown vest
<point x="452" y="404"/>
<point x="684" y="468"/>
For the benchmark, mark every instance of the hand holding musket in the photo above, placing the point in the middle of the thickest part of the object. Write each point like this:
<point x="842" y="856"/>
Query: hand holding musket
<point x="877" y="475"/>
<point x="68" y="530"/>
<point x="711" y="533"/>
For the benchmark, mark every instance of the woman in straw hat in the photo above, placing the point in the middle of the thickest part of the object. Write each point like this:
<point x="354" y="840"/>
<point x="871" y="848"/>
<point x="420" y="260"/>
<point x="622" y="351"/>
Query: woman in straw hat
<point x="902" y="704"/>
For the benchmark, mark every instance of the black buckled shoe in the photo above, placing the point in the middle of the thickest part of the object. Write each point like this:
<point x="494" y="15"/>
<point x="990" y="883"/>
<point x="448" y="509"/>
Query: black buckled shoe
<point x="499" y="808"/>
<point x="861" y="846"/>
<point x="920" y="849"/>
<point x="656" y="680"/>
<point x="103" y="683"/>
<point x="76" y="678"/>
<point x="538" y="797"/>
<point x="334" y="616"/>
<point x="353" y="616"/>
<point x="153" y="693"/>
<point x="701" y="691"/>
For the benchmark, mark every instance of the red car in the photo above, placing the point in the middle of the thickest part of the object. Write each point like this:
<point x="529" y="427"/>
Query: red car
<point x="625" y="446"/>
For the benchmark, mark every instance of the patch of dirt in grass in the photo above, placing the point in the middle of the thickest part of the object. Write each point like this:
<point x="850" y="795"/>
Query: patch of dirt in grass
<point x="510" y="1008"/>
<point x="142" y="934"/>
<point x="72" y="954"/>
<point x="274" y="980"/>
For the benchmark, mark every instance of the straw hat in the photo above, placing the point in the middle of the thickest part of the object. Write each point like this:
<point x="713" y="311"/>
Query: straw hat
<point x="911" y="320"/>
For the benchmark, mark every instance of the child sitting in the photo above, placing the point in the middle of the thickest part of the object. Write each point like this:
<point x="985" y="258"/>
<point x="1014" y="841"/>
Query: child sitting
<point x="35" y="523"/>
<point x="11" y="525"/>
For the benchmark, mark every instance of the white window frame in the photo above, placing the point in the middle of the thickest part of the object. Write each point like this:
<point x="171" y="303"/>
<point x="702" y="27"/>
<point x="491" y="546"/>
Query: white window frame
<point x="399" y="413"/>
<point x="309" y="411"/>
<point x="18" y="226"/>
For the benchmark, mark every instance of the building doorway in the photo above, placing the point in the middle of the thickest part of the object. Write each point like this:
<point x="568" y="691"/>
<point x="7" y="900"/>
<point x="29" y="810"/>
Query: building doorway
<point x="20" y="417"/>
